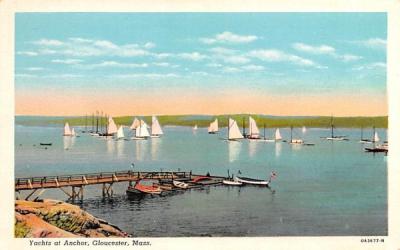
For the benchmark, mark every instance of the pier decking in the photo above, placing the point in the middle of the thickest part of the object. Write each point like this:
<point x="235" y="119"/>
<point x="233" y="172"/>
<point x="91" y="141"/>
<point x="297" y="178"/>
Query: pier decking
<point x="106" y="179"/>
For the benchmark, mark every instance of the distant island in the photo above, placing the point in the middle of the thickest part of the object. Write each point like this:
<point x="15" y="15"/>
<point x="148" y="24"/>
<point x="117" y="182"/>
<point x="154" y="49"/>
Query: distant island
<point x="204" y="120"/>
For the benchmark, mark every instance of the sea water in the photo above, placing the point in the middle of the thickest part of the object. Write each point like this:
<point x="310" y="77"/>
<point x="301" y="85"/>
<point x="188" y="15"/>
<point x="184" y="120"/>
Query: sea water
<point x="331" y="188"/>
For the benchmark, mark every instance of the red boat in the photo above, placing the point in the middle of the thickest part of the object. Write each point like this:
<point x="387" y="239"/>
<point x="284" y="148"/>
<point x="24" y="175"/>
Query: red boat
<point x="139" y="189"/>
<point x="201" y="178"/>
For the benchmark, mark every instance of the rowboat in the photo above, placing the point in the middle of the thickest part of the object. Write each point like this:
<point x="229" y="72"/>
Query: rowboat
<point x="180" y="184"/>
<point x="139" y="189"/>
<point x="251" y="181"/>
<point x="45" y="144"/>
<point x="232" y="182"/>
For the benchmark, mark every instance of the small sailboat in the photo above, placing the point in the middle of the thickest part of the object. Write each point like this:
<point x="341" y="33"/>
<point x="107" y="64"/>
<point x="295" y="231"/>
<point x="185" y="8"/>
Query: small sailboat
<point x="156" y="130"/>
<point x="362" y="140"/>
<point x="67" y="130"/>
<point x="233" y="131"/>
<point x="213" y="128"/>
<point x="254" y="133"/>
<point x="73" y="132"/>
<point x="120" y="133"/>
<point x="195" y="127"/>
<point x="304" y="130"/>
<point x="111" y="127"/>
<point x="141" y="132"/>
<point x="278" y="136"/>
<point x="135" y="124"/>
<point x="294" y="141"/>
<point x="376" y="137"/>
<point x="335" y="137"/>
<point x="265" y="137"/>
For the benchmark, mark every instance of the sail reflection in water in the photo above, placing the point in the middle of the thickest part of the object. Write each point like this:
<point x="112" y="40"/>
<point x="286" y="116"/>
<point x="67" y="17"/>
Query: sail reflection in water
<point x="69" y="142"/>
<point x="234" y="150"/>
<point x="155" y="147"/>
<point x="252" y="148"/>
<point x="110" y="145"/>
<point x="120" y="148"/>
<point x="141" y="148"/>
<point x="278" y="149"/>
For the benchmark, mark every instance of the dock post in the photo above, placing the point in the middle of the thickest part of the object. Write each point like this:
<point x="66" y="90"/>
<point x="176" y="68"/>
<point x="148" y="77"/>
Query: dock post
<point x="73" y="195"/>
<point x="104" y="190"/>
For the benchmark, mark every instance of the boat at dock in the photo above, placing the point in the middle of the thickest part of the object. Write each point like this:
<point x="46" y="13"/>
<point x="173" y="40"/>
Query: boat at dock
<point x="232" y="182"/>
<point x="213" y="128"/>
<point x="140" y="189"/>
<point x="251" y="181"/>
<point x="180" y="184"/>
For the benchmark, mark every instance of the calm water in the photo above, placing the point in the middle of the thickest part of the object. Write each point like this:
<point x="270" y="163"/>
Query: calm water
<point x="332" y="188"/>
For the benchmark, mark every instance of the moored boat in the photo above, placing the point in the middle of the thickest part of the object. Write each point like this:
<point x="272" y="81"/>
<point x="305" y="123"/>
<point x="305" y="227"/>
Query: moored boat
<point x="252" y="181"/>
<point x="213" y="128"/>
<point x="67" y="130"/>
<point x="140" y="189"/>
<point x="233" y="130"/>
<point x="180" y="184"/>
<point x="232" y="182"/>
<point x="156" y="130"/>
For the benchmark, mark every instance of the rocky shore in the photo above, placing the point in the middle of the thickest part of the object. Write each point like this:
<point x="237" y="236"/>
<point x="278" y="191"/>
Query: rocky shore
<point x="52" y="218"/>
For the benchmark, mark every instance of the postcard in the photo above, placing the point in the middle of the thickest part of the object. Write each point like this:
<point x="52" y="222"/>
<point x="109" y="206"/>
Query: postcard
<point x="165" y="126"/>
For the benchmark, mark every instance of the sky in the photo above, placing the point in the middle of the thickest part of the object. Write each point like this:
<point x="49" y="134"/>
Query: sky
<point x="201" y="63"/>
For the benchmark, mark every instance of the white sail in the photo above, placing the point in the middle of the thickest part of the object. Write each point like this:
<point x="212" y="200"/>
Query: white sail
<point x="112" y="127"/>
<point x="376" y="137"/>
<point x="213" y="128"/>
<point x="142" y="130"/>
<point x="73" y="132"/>
<point x="253" y="129"/>
<point x="304" y="129"/>
<point x="155" y="127"/>
<point x="234" y="131"/>
<point x="67" y="130"/>
<point x="135" y="124"/>
<point x="278" y="135"/>
<point x="120" y="132"/>
<point x="195" y="127"/>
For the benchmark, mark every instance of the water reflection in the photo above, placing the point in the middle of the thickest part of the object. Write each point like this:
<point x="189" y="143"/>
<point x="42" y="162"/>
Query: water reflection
<point x="141" y="146"/>
<point x="252" y="148"/>
<point x="278" y="149"/>
<point x="110" y="146"/>
<point x="68" y="142"/>
<point x="120" y="148"/>
<point x="234" y="150"/>
<point x="155" y="147"/>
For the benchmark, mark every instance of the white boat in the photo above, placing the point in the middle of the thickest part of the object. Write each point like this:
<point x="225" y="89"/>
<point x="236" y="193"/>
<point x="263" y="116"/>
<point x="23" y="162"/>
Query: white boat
<point x="232" y="182"/>
<point x="135" y="124"/>
<point x="180" y="184"/>
<point x="213" y="128"/>
<point x="195" y="127"/>
<point x="294" y="141"/>
<point x="142" y="132"/>
<point x="73" y="132"/>
<point x="254" y="132"/>
<point x="233" y="130"/>
<point x="278" y="136"/>
<point x="251" y="181"/>
<point x="376" y="137"/>
<point x="333" y="137"/>
<point x="67" y="130"/>
<point x="111" y="127"/>
<point x="120" y="133"/>
<point x="156" y="130"/>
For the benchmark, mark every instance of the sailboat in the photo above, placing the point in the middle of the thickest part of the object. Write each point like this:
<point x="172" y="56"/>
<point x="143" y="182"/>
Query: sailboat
<point x="135" y="124"/>
<point x="278" y="136"/>
<point x="304" y="130"/>
<point x="362" y="140"/>
<point x="67" y="130"/>
<point x="254" y="133"/>
<point x="265" y="137"/>
<point x="376" y="137"/>
<point x="112" y="127"/>
<point x="120" y="133"/>
<point x="73" y="132"/>
<point x="294" y="141"/>
<point x="233" y="131"/>
<point x="213" y="128"/>
<point x="195" y="127"/>
<point x="335" y="137"/>
<point x="141" y="132"/>
<point x="156" y="130"/>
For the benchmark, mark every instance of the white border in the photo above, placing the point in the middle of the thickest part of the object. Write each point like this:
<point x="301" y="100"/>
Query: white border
<point x="9" y="7"/>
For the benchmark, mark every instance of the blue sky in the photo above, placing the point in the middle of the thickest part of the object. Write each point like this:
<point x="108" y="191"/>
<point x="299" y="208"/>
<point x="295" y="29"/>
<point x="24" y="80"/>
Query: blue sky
<point x="270" y="53"/>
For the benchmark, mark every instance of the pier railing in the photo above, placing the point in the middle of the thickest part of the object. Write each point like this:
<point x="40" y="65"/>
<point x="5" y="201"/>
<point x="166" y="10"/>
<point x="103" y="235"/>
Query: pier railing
<point x="58" y="181"/>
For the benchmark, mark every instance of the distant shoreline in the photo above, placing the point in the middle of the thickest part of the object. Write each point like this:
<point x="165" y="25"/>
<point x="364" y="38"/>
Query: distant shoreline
<point x="204" y="120"/>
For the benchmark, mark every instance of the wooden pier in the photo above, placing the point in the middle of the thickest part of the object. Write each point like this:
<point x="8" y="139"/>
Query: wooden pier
<point x="77" y="182"/>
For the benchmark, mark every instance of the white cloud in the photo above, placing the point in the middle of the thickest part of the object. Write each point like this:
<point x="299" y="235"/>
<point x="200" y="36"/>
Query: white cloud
<point x="374" y="43"/>
<point x="370" y="66"/>
<point x="221" y="50"/>
<point x="27" y="53"/>
<point x="229" y="37"/>
<point x="200" y="73"/>
<point x="63" y="76"/>
<point x="34" y="69"/>
<point x="151" y="76"/>
<point x="105" y="44"/>
<point x="110" y="64"/>
<point x="231" y="70"/>
<point x="322" y="49"/>
<point x="25" y="75"/>
<point x="253" y="67"/>
<point x="162" y="64"/>
<point x="67" y="61"/>
<point x="236" y="59"/>
<point x="162" y="55"/>
<point x="194" y="56"/>
<point x="280" y="56"/>
<point x="48" y="42"/>
<point x="349" y="57"/>
<point x="214" y="65"/>
<point x="149" y="45"/>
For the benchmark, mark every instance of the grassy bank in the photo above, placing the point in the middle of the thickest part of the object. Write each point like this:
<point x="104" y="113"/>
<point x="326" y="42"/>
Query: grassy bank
<point x="204" y="121"/>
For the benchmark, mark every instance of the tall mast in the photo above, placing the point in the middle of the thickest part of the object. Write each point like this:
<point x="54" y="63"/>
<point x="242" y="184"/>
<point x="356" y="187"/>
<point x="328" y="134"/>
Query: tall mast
<point x="373" y="135"/>
<point x="244" y="124"/>
<point x="85" y="122"/>
<point x="97" y="122"/>
<point x="106" y="125"/>
<point x="332" y="126"/>
<point x="362" y="136"/>
<point x="92" y="122"/>
<point x="228" y="127"/>
<point x="264" y="131"/>
<point x="291" y="133"/>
